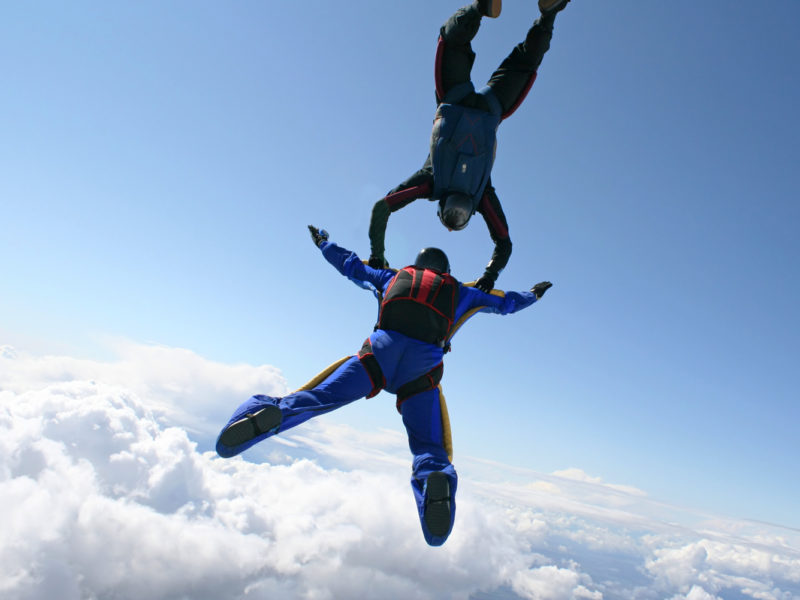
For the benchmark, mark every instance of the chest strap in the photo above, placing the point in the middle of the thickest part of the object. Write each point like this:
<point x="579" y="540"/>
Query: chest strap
<point x="423" y="383"/>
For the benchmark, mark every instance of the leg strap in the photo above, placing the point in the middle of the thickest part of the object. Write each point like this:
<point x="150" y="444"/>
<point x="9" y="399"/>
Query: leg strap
<point x="374" y="371"/>
<point x="423" y="383"/>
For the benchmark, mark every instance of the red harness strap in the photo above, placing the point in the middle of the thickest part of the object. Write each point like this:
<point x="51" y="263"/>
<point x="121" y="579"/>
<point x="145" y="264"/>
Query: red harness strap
<point x="420" y="303"/>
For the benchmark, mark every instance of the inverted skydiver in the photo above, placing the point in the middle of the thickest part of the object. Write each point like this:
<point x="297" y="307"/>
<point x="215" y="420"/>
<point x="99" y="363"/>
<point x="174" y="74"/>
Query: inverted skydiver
<point x="462" y="146"/>
<point x="421" y="307"/>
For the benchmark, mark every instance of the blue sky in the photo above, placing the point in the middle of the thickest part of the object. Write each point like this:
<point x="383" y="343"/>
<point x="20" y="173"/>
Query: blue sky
<point x="160" y="163"/>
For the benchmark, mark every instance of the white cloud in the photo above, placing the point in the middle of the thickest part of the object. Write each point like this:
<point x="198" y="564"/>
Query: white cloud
<point x="715" y="566"/>
<point x="579" y="475"/>
<point x="696" y="593"/>
<point x="553" y="582"/>
<point x="179" y="385"/>
<point x="105" y="491"/>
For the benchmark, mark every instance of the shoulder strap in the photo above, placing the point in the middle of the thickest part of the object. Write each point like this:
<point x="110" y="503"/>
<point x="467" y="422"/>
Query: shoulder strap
<point x="494" y="104"/>
<point x="458" y="92"/>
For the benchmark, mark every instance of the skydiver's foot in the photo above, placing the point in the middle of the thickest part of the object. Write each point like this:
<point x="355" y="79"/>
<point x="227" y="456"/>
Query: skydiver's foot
<point x="490" y="8"/>
<point x="437" y="504"/>
<point x="547" y="7"/>
<point x="266" y="420"/>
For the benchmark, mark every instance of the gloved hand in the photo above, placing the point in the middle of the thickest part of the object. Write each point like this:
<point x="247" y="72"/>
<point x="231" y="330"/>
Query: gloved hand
<point x="318" y="235"/>
<point x="485" y="283"/>
<point x="540" y="288"/>
<point x="378" y="262"/>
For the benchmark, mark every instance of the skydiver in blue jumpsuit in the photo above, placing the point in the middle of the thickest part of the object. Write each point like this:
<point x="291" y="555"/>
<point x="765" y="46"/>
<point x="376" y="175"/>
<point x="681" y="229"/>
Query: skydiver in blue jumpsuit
<point x="421" y="308"/>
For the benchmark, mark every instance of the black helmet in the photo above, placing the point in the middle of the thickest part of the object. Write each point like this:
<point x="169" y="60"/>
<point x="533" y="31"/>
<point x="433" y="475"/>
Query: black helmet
<point x="432" y="258"/>
<point x="455" y="210"/>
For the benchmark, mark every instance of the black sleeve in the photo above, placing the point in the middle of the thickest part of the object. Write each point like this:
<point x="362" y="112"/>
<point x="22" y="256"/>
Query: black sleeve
<point x="419" y="185"/>
<point x="495" y="219"/>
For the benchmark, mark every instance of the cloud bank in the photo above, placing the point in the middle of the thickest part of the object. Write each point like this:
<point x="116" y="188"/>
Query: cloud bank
<point x="108" y="490"/>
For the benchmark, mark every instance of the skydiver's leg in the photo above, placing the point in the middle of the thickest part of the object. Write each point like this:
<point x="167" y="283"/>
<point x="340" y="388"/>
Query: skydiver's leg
<point x="454" y="54"/>
<point x="514" y="77"/>
<point x="347" y="383"/>
<point x="434" y="479"/>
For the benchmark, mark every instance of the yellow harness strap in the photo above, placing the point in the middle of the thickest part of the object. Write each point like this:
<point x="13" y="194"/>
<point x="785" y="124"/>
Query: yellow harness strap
<point x="469" y="313"/>
<point x="319" y="378"/>
<point x="447" y="436"/>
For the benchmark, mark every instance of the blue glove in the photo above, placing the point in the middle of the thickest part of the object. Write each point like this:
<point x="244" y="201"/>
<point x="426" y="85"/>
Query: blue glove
<point x="318" y="235"/>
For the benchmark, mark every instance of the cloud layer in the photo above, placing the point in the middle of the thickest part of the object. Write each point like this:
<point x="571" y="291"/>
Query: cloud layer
<point x="107" y="489"/>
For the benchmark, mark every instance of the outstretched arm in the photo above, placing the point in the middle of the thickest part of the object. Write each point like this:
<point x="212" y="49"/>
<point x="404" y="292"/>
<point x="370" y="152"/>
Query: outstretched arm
<point x="348" y="263"/>
<point x="472" y="301"/>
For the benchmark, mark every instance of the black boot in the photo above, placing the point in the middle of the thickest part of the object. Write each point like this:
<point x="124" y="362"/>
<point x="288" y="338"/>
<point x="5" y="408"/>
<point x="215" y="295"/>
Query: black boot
<point x="437" y="504"/>
<point x="552" y="6"/>
<point x="490" y="8"/>
<point x="268" y="419"/>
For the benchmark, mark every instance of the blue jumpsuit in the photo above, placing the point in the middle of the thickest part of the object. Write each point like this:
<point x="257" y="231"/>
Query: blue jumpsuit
<point x="402" y="359"/>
